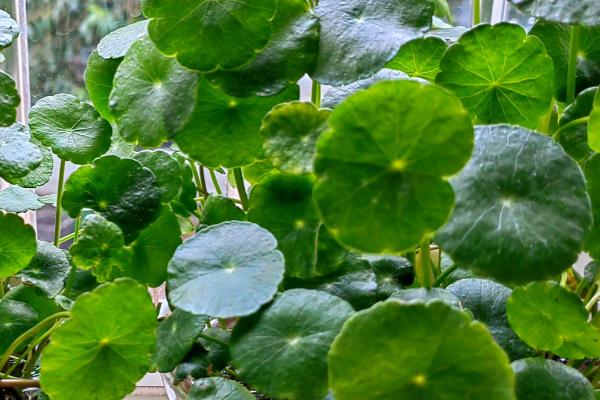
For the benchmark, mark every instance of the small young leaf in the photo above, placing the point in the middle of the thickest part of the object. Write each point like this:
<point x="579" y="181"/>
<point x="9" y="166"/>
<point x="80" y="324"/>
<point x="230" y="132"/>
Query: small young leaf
<point x="48" y="269"/>
<point x="73" y="129"/>
<point x="15" y="199"/>
<point x="19" y="156"/>
<point x="9" y="99"/>
<point x="9" y="30"/>
<point x="166" y="170"/>
<point x="17" y="244"/>
<point x="420" y="58"/>
<point x="281" y="349"/>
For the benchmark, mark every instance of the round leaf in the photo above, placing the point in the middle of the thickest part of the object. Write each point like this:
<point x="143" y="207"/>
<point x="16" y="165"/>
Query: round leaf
<point x="9" y="99"/>
<point x="166" y="170"/>
<point x="286" y="346"/>
<point x="391" y="144"/>
<point x="500" y="74"/>
<point x="429" y="352"/>
<point x="219" y="209"/>
<point x="487" y="302"/>
<point x="420" y="58"/>
<point x="586" y="345"/>
<point x="283" y="205"/>
<point x="73" y="129"/>
<point x="224" y="130"/>
<point x="219" y="389"/>
<point x="359" y="36"/>
<point x="9" y="29"/>
<point x="17" y="244"/>
<point x="580" y="12"/>
<point x="121" y="190"/>
<point x="175" y="338"/>
<point x="99" y="75"/>
<point x="18" y="155"/>
<point x="153" y="96"/>
<point x="48" y="269"/>
<point x="545" y="315"/>
<point x="233" y="257"/>
<point x="540" y="379"/>
<point x="117" y="43"/>
<point x="15" y="199"/>
<point x="97" y="345"/>
<point x="240" y="28"/>
<point x="290" y="53"/>
<point x="15" y="319"/>
<point x="40" y="175"/>
<point x="291" y="131"/>
<point x="522" y="211"/>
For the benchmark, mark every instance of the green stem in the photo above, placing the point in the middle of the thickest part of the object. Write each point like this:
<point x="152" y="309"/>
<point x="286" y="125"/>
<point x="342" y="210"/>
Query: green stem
<point x="572" y="70"/>
<point x="445" y="274"/>
<point x="203" y="180"/>
<point x="76" y="230"/>
<point x="316" y="94"/>
<point x="241" y="187"/>
<point x="214" y="340"/>
<point x="593" y="301"/>
<point x="424" y="272"/>
<point x="59" y="196"/>
<point x="31" y="348"/>
<point x="1" y="288"/>
<point x="570" y="125"/>
<point x="476" y="12"/>
<point x="28" y="334"/>
<point x="215" y="181"/>
<point x="200" y="189"/>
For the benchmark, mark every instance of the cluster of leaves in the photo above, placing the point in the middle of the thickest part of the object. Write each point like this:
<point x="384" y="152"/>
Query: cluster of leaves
<point x="411" y="234"/>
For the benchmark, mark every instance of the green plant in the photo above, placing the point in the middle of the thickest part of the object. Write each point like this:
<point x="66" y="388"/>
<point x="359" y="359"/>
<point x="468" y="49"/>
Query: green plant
<point x="410" y="234"/>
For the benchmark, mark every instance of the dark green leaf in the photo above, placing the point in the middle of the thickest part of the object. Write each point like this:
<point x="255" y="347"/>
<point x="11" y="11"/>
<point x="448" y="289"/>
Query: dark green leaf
<point x="17" y="244"/>
<point x="35" y="298"/>
<point x="219" y="209"/>
<point x="431" y="352"/>
<point x="395" y="153"/>
<point x="15" y="199"/>
<point x="85" y="353"/>
<point x="359" y="36"/>
<point x="224" y="130"/>
<point x="117" y="43"/>
<point x="15" y="318"/>
<point x="73" y="129"/>
<point x="592" y="174"/>
<point x="99" y="76"/>
<point x="166" y="170"/>
<point x="48" y="269"/>
<point x="9" y="29"/>
<point x="420" y="58"/>
<point x="580" y="12"/>
<point x="153" y="96"/>
<point x="121" y="190"/>
<point x="237" y="29"/>
<point x="219" y="389"/>
<point x="9" y="100"/>
<point x="233" y="257"/>
<point x="393" y="273"/>
<point x="574" y="138"/>
<point x="18" y="154"/>
<point x="281" y="349"/>
<point x="522" y="211"/>
<point x="500" y="74"/>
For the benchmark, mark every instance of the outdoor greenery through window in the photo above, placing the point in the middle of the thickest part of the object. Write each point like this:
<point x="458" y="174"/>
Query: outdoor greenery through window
<point x="414" y="186"/>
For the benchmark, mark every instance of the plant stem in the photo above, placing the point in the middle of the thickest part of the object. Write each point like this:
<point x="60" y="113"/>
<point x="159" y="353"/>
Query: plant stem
<point x="77" y="228"/>
<point x="593" y="301"/>
<point x="18" y="383"/>
<point x="200" y="188"/>
<point x="316" y="94"/>
<point x="59" y="196"/>
<point x="1" y="287"/>
<point x="214" y="340"/>
<point x="445" y="274"/>
<point x="203" y="180"/>
<point x="572" y="71"/>
<point x="215" y="181"/>
<point x="424" y="272"/>
<point x="28" y="334"/>
<point x="476" y="12"/>
<point x="241" y="186"/>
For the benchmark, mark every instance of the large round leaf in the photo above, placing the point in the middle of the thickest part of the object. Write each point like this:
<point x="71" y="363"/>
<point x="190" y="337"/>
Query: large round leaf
<point x="234" y="29"/>
<point x="291" y="131"/>
<point x="153" y="96"/>
<point x="9" y="100"/>
<point x="100" y="248"/>
<point x="416" y="351"/>
<point x="500" y="74"/>
<point x="117" y="43"/>
<point x="391" y="145"/>
<point x="166" y="170"/>
<point x="522" y="211"/>
<point x="291" y="52"/>
<point x="19" y="156"/>
<point x="9" y="29"/>
<point x="73" y="129"/>
<point x="233" y="257"/>
<point x="359" y="36"/>
<point x="540" y="379"/>
<point x="592" y="174"/>
<point x="556" y="38"/>
<point x="545" y="315"/>
<point x="17" y="244"/>
<point x="121" y="190"/>
<point x="110" y="337"/>
<point x="420" y="58"/>
<point x="48" y="269"/>
<point x="99" y="75"/>
<point x="224" y="130"/>
<point x="283" y="205"/>
<point x="218" y="389"/>
<point x="580" y="12"/>
<point x="487" y="302"/>
<point x="281" y="349"/>
<point x="15" y="319"/>
<point x="175" y="338"/>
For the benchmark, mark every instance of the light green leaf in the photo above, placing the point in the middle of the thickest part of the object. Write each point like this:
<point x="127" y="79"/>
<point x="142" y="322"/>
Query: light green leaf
<point x="99" y="75"/>
<point x="9" y="100"/>
<point x="117" y="43"/>
<point x="420" y="58"/>
<point x="15" y="199"/>
<point x="48" y="269"/>
<point x="592" y="174"/>
<point x="500" y="74"/>
<point x="395" y="153"/>
<point x="17" y="244"/>
<point x="522" y="211"/>
<point x="594" y="124"/>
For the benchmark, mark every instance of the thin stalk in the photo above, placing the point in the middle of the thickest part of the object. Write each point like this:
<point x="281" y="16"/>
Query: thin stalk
<point x="28" y="334"/>
<point x="593" y="301"/>
<point x="19" y="383"/>
<point x="424" y="272"/>
<point x="241" y="186"/>
<point x="572" y="70"/>
<point x="215" y="181"/>
<point x="476" y="12"/>
<point x="200" y="189"/>
<point x="214" y="340"/>
<point x="77" y="228"/>
<point x="203" y="179"/>
<point x="59" y="196"/>
<point x="570" y="125"/>
<point x="316" y="94"/>
<point x="31" y="348"/>
<point x="445" y="274"/>
<point x="563" y="279"/>
<point x="1" y="287"/>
